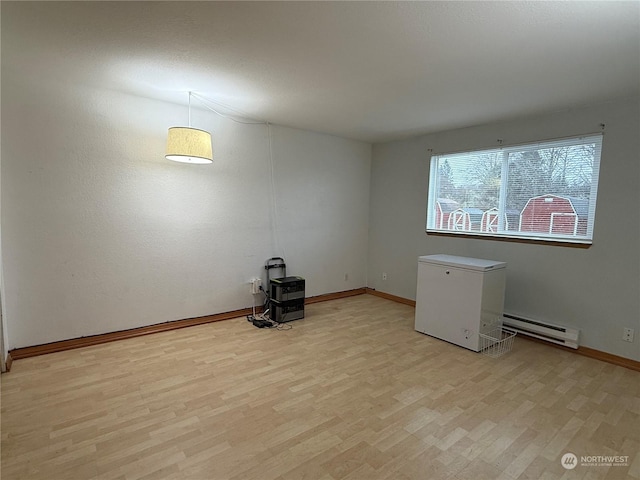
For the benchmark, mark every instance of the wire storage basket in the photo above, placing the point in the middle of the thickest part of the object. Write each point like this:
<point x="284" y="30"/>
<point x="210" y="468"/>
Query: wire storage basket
<point x="496" y="342"/>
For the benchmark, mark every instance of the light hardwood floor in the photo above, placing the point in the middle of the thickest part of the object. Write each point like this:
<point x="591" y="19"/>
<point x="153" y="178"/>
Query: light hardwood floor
<point x="350" y="392"/>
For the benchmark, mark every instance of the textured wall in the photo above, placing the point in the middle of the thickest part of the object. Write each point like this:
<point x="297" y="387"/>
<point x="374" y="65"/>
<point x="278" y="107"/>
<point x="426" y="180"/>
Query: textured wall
<point x="100" y="233"/>
<point x="4" y="339"/>
<point x="595" y="289"/>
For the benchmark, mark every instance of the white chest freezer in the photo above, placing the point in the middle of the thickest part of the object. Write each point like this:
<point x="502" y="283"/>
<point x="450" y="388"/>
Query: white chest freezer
<point x="459" y="298"/>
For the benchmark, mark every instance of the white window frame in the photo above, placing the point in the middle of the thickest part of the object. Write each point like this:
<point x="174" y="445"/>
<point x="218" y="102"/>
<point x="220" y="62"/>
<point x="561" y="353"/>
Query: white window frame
<point x="502" y="224"/>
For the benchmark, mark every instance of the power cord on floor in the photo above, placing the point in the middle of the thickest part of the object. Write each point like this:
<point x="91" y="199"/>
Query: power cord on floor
<point x="262" y="320"/>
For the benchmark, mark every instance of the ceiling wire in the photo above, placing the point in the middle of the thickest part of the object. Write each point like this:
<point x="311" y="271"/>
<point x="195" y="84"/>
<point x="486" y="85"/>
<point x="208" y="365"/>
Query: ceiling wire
<point x="206" y="102"/>
<point x="274" y="203"/>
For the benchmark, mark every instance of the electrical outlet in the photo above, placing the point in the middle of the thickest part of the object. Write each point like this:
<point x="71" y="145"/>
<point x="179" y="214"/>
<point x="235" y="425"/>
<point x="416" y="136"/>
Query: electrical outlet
<point x="384" y="275"/>
<point x="346" y="277"/>
<point x="254" y="285"/>
<point x="627" y="334"/>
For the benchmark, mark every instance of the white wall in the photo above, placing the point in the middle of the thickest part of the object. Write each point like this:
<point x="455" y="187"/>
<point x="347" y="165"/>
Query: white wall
<point x="595" y="289"/>
<point x="100" y="233"/>
<point x="4" y="340"/>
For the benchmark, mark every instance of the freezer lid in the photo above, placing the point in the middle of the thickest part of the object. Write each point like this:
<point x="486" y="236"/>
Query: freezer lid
<point x="467" y="263"/>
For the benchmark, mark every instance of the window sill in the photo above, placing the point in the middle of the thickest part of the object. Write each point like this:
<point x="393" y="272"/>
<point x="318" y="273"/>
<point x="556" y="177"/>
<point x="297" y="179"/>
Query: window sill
<point x="559" y="242"/>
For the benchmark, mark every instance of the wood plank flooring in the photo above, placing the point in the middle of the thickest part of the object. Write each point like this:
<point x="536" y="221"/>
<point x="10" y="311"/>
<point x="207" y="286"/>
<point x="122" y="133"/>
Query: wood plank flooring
<point x="350" y="392"/>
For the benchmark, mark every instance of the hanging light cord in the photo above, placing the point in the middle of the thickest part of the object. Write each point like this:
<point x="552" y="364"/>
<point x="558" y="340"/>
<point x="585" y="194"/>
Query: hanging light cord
<point x="206" y="101"/>
<point x="274" y="203"/>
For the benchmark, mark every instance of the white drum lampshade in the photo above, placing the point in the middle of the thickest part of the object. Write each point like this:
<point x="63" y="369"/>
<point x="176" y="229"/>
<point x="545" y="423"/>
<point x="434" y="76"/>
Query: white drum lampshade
<point x="189" y="145"/>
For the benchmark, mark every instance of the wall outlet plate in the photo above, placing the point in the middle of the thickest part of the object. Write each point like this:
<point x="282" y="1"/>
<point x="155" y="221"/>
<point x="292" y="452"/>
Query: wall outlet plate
<point x="627" y="334"/>
<point x="255" y="285"/>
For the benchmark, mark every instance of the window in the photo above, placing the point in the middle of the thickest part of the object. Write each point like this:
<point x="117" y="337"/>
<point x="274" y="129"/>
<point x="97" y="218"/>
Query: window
<point x="542" y="191"/>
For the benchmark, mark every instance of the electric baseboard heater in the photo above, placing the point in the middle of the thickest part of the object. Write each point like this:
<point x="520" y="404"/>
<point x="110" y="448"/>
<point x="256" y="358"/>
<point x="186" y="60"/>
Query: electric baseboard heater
<point x="543" y="330"/>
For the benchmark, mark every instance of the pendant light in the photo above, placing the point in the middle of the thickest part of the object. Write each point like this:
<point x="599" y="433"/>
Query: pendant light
<point x="189" y="145"/>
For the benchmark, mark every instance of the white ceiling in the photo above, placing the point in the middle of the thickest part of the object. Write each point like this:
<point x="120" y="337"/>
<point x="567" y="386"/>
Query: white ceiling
<point x="372" y="71"/>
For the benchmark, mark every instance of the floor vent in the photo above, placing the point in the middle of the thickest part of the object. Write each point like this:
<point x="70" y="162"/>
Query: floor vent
<point x="542" y="330"/>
